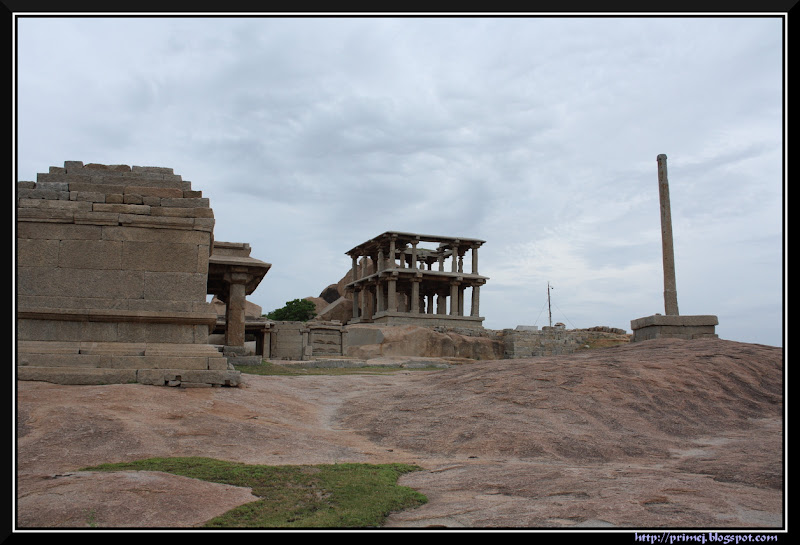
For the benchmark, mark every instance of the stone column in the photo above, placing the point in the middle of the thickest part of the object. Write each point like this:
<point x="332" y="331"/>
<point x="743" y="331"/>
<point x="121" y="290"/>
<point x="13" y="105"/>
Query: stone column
<point x="454" y="267"/>
<point x="476" y="297"/>
<point x="670" y="291"/>
<point x="355" y="302"/>
<point x="441" y="303"/>
<point x="379" y="307"/>
<point x="414" y="254"/>
<point x="365" y="291"/>
<point x="392" y="295"/>
<point x="392" y="252"/>
<point x="381" y="264"/>
<point x="234" y="311"/>
<point x="461" y="300"/>
<point x="415" y="295"/>
<point x="454" y="298"/>
<point x="475" y="259"/>
<point x="431" y="306"/>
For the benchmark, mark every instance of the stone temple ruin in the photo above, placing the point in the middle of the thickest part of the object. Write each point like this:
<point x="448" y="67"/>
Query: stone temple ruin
<point x="114" y="264"/>
<point x="398" y="284"/>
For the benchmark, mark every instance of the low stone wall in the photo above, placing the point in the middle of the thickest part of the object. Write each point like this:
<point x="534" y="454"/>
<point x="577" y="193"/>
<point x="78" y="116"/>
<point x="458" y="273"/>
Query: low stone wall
<point x="554" y="341"/>
<point x="305" y="340"/>
<point x="314" y="340"/>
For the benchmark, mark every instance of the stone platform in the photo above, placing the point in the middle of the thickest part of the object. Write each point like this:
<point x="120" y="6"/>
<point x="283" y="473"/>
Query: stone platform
<point x="675" y="326"/>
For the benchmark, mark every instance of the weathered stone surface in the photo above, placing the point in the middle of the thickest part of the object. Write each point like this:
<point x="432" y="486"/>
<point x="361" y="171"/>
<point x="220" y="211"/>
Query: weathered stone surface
<point x="96" y="264"/>
<point x="372" y="341"/>
<point x="658" y="434"/>
<point x="330" y="294"/>
<point x="340" y="310"/>
<point x="319" y="303"/>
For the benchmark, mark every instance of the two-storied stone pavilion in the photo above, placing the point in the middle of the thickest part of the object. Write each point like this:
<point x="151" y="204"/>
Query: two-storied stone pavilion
<point x="398" y="281"/>
<point x="112" y="279"/>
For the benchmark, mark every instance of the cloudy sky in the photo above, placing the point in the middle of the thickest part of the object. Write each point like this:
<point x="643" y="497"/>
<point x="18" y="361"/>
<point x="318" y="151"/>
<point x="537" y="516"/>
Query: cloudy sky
<point x="536" y="134"/>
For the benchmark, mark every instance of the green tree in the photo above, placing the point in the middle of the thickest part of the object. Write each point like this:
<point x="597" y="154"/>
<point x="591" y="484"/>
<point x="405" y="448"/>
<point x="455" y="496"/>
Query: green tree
<point x="299" y="310"/>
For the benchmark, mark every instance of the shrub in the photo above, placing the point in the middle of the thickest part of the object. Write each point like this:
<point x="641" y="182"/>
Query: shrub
<point x="299" y="310"/>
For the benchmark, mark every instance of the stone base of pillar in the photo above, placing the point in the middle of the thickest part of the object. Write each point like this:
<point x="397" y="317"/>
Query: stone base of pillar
<point x="674" y="326"/>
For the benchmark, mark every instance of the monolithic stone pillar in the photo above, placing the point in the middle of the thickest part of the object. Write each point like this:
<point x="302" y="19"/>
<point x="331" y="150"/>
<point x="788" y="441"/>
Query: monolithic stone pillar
<point x="355" y="302"/>
<point x="379" y="304"/>
<point x="461" y="300"/>
<point x="476" y="297"/>
<point x="392" y="295"/>
<point x="392" y="252"/>
<point x="454" y="298"/>
<point x="381" y="264"/>
<point x="430" y="306"/>
<point x="474" y="259"/>
<point x="234" y="312"/>
<point x="414" y="254"/>
<point x="415" y="295"/>
<point x="441" y="303"/>
<point x="670" y="291"/>
<point x="365" y="291"/>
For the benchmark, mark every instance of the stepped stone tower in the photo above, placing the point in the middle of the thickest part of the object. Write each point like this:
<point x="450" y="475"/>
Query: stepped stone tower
<point x="112" y="276"/>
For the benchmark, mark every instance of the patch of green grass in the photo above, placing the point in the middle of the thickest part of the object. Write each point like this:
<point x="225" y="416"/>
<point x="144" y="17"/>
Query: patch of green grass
<point x="318" y="496"/>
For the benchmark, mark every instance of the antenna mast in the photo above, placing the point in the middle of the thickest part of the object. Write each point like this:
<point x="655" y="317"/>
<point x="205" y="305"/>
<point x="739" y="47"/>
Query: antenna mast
<point x="549" y="312"/>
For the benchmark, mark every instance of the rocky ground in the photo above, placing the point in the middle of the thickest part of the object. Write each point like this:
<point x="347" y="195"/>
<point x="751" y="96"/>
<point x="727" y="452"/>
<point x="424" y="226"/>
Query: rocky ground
<point x="658" y="434"/>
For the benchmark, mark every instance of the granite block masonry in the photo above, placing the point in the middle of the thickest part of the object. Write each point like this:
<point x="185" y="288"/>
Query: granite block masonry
<point x="112" y="276"/>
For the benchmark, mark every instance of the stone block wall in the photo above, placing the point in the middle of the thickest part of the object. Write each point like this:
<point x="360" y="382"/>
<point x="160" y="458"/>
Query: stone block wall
<point x="553" y="341"/>
<point x="112" y="265"/>
<point x="304" y="340"/>
<point x="286" y="341"/>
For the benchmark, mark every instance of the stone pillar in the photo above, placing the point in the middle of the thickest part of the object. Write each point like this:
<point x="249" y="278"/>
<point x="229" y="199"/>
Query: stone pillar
<point x="441" y="303"/>
<point x="670" y="291"/>
<point x="475" y="259"/>
<point x="461" y="300"/>
<point x="381" y="264"/>
<point x="355" y="302"/>
<point x="392" y="252"/>
<point x="379" y="306"/>
<point x="476" y="297"/>
<point x="355" y="267"/>
<point x="414" y="254"/>
<point x="365" y="291"/>
<point x="454" y="265"/>
<point x="454" y="298"/>
<point x="392" y="295"/>
<point x="415" y="295"/>
<point x="234" y="311"/>
<point x="431" y="306"/>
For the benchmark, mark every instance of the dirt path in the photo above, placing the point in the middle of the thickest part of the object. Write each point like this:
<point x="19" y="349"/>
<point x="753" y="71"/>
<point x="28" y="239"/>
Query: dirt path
<point x="666" y="434"/>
